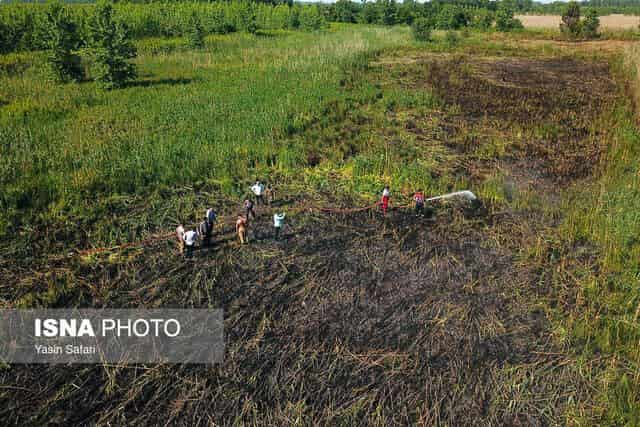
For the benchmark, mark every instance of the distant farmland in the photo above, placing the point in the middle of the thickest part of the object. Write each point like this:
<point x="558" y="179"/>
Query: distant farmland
<point x="612" y="22"/>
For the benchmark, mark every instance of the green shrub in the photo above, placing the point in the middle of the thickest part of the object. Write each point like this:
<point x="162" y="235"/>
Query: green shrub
<point x="294" y="18"/>
<point x="421" y="29"/>
<point x="407" y="12"/>
<point x="344" y="11"/>
<point x="505" y="20"/>
<point x="451" y="38"/>
<point x="195" y="36"/>
<point x="62" y="39"/>
<point x="482" y="19"/>
<point x="389" y="12"/>
<point x="590" y="24"/>
<point x="311" y="19"/>
<point x="370" y="13"/>
<point x="6" y="38"/>
<point x="451" y="17"/>
<point x="112" y="48"/>
<point x="571" y="25"/>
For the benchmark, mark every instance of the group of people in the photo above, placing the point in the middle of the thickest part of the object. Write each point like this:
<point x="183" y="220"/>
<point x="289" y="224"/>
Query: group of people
<point x="262" y="195"/>
<point x="418" y="199"/>
<point x="204" y="231"/>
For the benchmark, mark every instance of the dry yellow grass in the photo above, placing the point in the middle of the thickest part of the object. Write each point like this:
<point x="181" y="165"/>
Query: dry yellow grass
<point x="609" y="22"/>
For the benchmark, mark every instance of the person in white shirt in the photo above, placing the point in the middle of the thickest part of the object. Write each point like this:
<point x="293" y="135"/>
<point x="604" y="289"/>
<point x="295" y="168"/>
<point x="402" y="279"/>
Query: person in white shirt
<point x="180" y="236"/>
<point x="278" y="223"/>
<point x="190" y="238"/>
<point x="258" y="190"/>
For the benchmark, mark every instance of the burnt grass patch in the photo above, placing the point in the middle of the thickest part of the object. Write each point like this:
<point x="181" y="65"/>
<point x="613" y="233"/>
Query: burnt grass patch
<point x="350" y="318"/>
<point x="356" y="318"/>
<point x="549" y="108"/>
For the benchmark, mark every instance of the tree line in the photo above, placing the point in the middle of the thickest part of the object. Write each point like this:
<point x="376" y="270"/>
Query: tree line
<point x="105" y="29"/>
<point x="440" y="14"/>
<point x="24" y="26"/>
<point x="599" y="7"/>
<point x="108" y="44"/>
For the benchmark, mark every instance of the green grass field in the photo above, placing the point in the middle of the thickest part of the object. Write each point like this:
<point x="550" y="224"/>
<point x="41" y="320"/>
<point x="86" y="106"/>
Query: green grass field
<point x="329" y="118"/>
<point x="213" y="115"/>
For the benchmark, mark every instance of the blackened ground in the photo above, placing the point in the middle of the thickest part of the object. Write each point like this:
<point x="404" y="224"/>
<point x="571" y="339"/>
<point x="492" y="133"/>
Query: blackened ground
<point x="549" y="107"/>
<point x="352" y="318"/>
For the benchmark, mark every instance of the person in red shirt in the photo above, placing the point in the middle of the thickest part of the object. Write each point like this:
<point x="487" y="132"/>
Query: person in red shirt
<point x="418" y="197"/>
<point x="384" y="202"/>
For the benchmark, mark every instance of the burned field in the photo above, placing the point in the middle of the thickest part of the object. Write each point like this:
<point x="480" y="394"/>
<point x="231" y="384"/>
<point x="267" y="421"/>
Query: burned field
<point x="545" y="112"/>
<point x="354" y="318"/>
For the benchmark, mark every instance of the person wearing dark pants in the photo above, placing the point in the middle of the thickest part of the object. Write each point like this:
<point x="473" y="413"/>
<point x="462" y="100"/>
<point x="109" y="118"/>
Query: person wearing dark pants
<point x="190" y="238"/>
<point x="205" y="232"/>
<point x="258" y="192"/>
<point x="418" y="197"/>
<point x="250" y="212"/>
<point x="278" y="223"/>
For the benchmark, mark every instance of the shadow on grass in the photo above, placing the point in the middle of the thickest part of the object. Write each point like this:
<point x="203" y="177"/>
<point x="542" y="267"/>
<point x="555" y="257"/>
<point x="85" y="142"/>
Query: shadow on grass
<point x="271" y="34"/>
<point x="160" y="82"/>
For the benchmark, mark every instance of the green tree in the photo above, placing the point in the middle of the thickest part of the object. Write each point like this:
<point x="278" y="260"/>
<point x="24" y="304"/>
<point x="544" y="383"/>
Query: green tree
<point x="195" y="35"/>
<point x="482" y="19"/>
<point x="112" y="48"/>
<point x="389" y="12"/>
<point x="6" y="38"/>
<point x="294" y="17"/>
<point x="451" y="17"/>
<point x="370" y="13"/>
<point x="590" y="24"/>
<point x="422" y="29"/>
<point x="505" y="20"/>
<point x="407" y="12"/>
<point x="62" y="40"/>
<point x="247" y="19"/>
<point x="344" y="11"/>
<point x="571" y="24"/>
<point x="311" y="19"/>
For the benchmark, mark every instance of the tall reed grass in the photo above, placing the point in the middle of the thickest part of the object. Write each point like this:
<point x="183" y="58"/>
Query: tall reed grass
<point x="606" y="213"/>
<point x="218" y="114"/>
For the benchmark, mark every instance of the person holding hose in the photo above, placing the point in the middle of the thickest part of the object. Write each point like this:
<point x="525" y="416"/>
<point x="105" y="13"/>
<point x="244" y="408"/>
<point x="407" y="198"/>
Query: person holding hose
<point x="384" y="202"/>
<point x="418" y="197"/>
